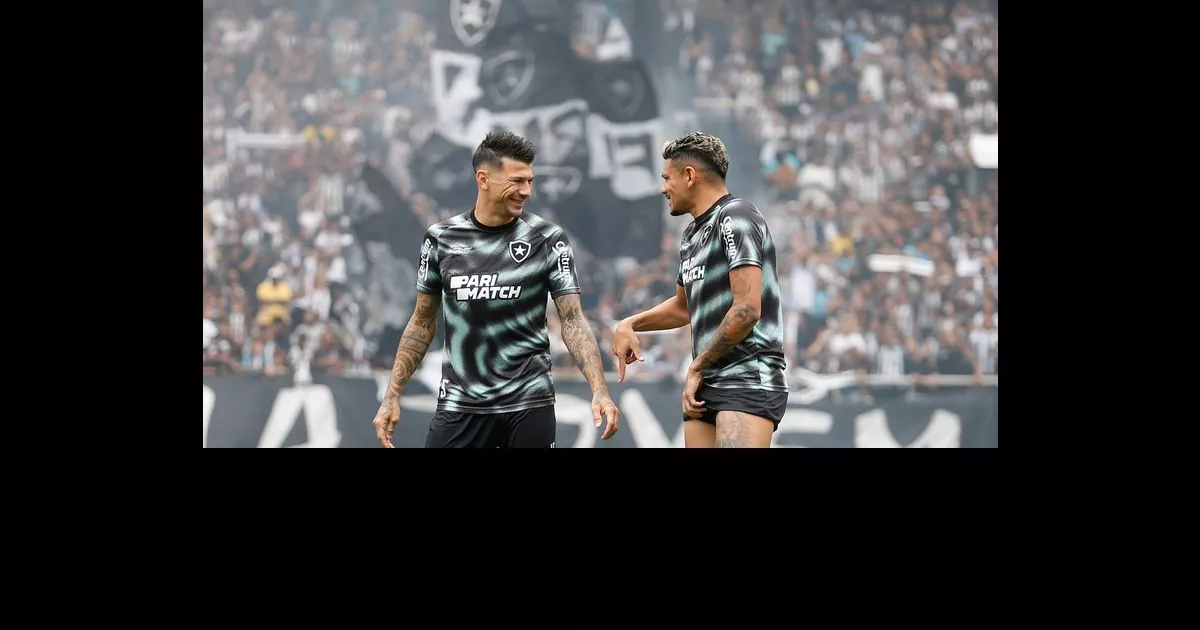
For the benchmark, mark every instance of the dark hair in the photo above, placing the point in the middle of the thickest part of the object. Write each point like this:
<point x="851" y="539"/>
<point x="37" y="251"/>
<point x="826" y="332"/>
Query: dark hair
<point x="697" y="146"/>
<point x="498" y="145"/>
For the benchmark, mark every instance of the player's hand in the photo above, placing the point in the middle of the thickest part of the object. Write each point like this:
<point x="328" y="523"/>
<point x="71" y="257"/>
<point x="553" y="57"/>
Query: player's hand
<point x="626" y="348"/>
<point x="385" y="421"/>
<point x="602" y="405"/>
<point x="692" y="408"/>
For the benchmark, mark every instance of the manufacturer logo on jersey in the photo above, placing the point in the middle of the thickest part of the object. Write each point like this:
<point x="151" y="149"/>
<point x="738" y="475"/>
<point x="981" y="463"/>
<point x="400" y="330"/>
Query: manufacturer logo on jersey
<point x="473" y="19"/>
<point x="482" y="287"/>
<point x="423" y="270"/>
<point x="564" y="257"/>
<point x="519" y="250"/>
<point x="705" y="233"/>
<point x="727" y="235"/>
<point x="692" y="269"/>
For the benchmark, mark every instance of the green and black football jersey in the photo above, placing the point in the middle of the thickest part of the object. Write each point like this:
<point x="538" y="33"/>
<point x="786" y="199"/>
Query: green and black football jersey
<point x="729" y="235"/>
<point x="493" y="282"/>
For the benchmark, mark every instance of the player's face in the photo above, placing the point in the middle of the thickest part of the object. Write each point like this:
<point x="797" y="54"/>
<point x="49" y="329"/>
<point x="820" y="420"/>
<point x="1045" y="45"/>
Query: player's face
<point x="511" y="185"/>
<point x="675" y="189"/>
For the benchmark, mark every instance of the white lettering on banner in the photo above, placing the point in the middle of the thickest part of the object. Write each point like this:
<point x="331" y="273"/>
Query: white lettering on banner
<point x="943" y="431"/>
<point x="569" y="409"/>
<point x="452" y="98"/>
<point x="320" y="415"/>
<point x="644" y="425"/>
<point x="561" y="127"/>
<point x="626" y="153"/>
<point x="482" y="287"/>
<point x="210" y="400"/>
<point x="802" y="421"/>
<point x="727" y="234"/>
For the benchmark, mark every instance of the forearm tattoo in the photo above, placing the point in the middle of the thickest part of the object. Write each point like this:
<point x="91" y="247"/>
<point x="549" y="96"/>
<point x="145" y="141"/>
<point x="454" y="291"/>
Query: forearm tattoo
<point x="581" y="343"/>
<point x="418" y="334"/>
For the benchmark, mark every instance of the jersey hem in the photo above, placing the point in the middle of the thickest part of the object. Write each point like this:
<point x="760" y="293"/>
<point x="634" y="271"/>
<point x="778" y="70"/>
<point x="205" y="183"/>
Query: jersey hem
<point x="743" y="262"/>
<point x="492" y="409"/>
<point x="562" y="292"/>
<point x="766" y="388"/>
<point x="428" y="291"/>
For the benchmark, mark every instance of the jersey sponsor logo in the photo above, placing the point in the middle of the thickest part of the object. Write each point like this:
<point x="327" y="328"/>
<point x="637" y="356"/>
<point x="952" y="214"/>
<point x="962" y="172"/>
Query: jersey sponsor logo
<point x="692" y="269"/>
<point x="519" y="250"/>
<point x="423" y="270"/>
<point x="482" y="287"/>
<point x="727" y="235"/>
<point x="564" y="257"/>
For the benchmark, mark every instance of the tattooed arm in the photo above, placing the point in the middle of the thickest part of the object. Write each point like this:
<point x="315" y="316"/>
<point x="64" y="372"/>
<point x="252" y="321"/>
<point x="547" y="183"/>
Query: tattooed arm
<point x="418" y="334"/>
<point x="577" y="336"/>
<point x="746" y="284"/>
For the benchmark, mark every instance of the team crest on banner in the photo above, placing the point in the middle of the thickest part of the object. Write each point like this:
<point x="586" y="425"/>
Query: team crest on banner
<point x="519" y="250"/>
<point x="507" y="76"/>
<point x="626" y="92"/>
<point x="473" y="19"/>
<point x="558" y="183"/>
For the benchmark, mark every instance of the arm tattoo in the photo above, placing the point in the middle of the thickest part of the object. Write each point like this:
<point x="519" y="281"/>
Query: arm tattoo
<point x="577" y="336"/>
<point x="738" y="323"/>
<point x="418" y="334"/>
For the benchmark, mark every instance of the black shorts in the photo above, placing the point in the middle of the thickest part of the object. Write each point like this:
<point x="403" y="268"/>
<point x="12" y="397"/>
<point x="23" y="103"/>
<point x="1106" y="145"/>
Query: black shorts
<point x="759" y="402"/>
<point x="529" y="428"/>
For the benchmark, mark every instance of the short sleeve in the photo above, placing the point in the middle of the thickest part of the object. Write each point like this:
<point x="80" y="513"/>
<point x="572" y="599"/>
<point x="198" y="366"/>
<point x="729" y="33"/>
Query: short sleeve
<point x="743" y="231"/>
<point x="563" y="279"/>
<point x="429" y="275"/>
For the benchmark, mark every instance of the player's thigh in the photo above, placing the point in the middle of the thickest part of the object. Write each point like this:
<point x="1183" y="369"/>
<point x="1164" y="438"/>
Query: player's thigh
<point x="532" y="428"/>
<point x="455" y="429"/>
<point x="745" y="418"/>
<point x="738" y="429"/>
<point x="699" y="434"/>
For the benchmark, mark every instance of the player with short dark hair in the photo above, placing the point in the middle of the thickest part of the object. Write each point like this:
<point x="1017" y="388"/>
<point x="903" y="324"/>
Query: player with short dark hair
<point x="490" y="269"/>
<point x="736" y="388"/>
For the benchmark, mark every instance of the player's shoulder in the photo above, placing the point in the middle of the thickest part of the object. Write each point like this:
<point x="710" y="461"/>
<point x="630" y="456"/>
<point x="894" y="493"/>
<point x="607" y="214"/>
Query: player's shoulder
<point x="539" y="226"/>
<point x="741" y="207"/>
<point x="441" y="227"/>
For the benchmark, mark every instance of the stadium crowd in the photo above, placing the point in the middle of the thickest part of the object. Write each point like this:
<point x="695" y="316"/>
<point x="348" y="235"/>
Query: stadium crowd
<point x="862" y="114"/>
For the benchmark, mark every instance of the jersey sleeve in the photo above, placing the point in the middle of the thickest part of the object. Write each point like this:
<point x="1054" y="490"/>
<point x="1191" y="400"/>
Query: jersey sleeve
<point x="429" y="275"/>
<point x="563" y="279"/>
<point x="743" y="231"/>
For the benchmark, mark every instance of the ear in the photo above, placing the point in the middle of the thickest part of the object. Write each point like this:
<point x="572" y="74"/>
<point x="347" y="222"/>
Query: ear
<point x="481" y="178"/>
<point x="690" y="174"/>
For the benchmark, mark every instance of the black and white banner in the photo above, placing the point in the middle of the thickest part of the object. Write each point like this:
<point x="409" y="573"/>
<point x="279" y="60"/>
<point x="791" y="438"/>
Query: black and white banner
<point x="244" y="411"/>
<point x="511" y="64"/>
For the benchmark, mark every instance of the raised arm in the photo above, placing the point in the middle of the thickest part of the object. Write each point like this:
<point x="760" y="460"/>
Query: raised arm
<point x="670" y="314"/>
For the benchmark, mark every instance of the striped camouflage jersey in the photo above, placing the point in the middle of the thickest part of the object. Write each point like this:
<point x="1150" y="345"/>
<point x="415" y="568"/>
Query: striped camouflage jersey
<point x="493" y="283"/>
<point x="729" y="235"/>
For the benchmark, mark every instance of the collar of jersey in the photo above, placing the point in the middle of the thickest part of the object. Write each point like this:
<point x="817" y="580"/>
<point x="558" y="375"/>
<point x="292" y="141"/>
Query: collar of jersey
<point x="713" y="208"/>
<point x="493" y="228"/>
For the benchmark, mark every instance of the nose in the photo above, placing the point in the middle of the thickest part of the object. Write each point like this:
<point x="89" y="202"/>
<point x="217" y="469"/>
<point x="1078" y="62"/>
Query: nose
<point x="526" y="190"/>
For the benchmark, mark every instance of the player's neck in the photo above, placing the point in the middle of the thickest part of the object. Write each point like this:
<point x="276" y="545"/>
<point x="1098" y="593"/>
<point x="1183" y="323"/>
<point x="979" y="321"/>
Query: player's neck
<point x="706" y="199"/>
<point x="489" y="216"/>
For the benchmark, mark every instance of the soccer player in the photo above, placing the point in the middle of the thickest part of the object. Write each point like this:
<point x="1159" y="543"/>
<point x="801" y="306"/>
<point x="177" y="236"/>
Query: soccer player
<point x="490" y="269"/>
<point x="736" y="388"/>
